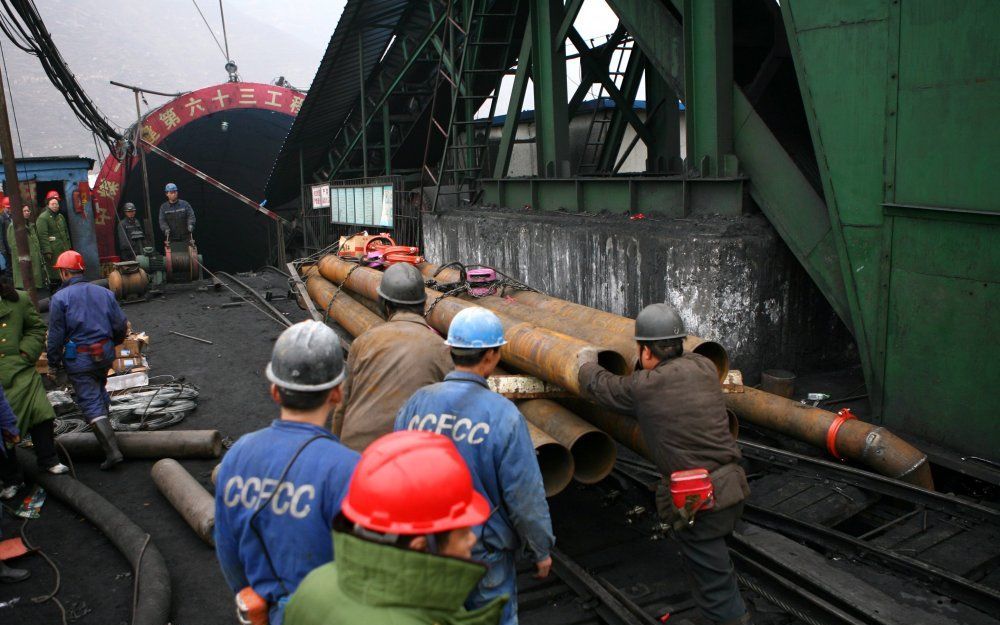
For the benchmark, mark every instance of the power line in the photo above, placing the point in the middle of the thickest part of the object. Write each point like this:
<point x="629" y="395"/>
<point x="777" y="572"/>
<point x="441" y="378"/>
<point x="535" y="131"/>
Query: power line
<point x="210" y="31"/>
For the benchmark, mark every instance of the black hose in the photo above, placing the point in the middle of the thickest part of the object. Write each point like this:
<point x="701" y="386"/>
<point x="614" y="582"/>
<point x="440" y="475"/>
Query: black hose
<point x="152" y="599"/>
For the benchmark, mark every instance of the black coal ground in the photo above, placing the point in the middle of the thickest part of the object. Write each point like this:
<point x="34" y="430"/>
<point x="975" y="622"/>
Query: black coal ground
<point x="96" y="584"/>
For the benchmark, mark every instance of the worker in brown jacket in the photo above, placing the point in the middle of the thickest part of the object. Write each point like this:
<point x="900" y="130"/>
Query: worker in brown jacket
<point x="389" y="362"/>
<point x="678" y="401"/>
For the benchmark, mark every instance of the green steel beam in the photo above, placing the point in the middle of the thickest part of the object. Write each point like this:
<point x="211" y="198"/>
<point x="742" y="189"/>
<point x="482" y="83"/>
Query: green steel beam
<point x="548" y="71"/>
<point x="663" y="118"/>
<point x="592" y="72"/>
<point x="776" y="184"/>
<point x="622" y="103"/>
<point x="665" y="197"/>
<point x="619" y="118"/>
<point x="509" y="131"/>
<point x="708" y="77"/>
<point x="417" y="52"/>
<point x="659" y="34"/>
<point x="569" y="16"/>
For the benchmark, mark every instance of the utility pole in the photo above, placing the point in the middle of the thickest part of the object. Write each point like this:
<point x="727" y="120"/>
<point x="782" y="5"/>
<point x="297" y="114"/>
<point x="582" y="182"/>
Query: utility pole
<point x="13" y="189"/>
<point x="145" y="172"/>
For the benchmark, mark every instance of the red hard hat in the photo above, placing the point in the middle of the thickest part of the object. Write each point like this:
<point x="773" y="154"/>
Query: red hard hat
<point x="6" y="202"/>
<point x="69" y="260"/>
<point x="51" y="194"/>
<point x="413" y="483"/>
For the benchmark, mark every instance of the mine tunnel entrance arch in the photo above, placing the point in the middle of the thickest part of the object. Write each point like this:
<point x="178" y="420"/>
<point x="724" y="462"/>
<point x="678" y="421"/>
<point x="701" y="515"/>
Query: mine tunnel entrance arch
<point x="232" y="132"/>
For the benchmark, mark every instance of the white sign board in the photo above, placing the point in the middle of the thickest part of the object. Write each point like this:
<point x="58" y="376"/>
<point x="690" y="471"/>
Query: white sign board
<point x="321" y="195"/>
<point x="366" y="205"/>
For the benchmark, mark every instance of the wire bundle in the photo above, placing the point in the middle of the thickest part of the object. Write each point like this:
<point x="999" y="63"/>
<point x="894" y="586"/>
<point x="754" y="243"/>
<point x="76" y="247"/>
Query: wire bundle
<point x="152" y="407"/>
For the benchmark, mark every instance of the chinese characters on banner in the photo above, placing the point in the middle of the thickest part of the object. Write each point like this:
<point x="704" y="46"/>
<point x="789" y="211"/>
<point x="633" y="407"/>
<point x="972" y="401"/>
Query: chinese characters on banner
<point x="169" y="118"/>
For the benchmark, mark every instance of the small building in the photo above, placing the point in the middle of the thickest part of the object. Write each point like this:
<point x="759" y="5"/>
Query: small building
<point x="68" y="176"/>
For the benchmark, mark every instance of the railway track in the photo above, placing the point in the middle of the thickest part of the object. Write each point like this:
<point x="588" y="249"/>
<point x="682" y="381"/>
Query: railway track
<point x="944" y="545"/>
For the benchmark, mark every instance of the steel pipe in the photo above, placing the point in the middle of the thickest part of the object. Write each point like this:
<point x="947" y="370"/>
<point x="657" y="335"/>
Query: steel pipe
<point x="601" y="328"/>
<point x="870" y="445"/>
<point x="544" y="353"/>
<point x="147" y="445"/>
<point x="594" y="452"/>
<point x="554" y="461"/>
<point x="187" y="496"/>
<point x="345" y="310"/>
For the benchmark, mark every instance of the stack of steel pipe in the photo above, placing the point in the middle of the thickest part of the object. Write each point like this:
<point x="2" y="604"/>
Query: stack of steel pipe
<point x="566" y="446"/>
<point x="550" y="338"/>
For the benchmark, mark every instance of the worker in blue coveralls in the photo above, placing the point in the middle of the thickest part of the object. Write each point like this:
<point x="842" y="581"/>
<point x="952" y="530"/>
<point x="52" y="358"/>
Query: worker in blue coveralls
<point x="85" y="324"/>
<point x="176" y="217"/>
<point x="280" y="488"/>
<point x="492" y="436"/>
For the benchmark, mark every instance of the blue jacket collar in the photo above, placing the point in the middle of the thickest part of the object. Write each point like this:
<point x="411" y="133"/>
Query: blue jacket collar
<point x="294" y="426"/>
<point x="465" y="376"/>
<point x="73" y="280"/>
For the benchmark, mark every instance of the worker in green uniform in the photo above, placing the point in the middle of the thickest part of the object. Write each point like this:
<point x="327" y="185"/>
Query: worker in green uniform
<point x="37" y="268"/>
<point x="22" y="340"/>
<point x="53" y="236"/>
<point x="403" y="542"/>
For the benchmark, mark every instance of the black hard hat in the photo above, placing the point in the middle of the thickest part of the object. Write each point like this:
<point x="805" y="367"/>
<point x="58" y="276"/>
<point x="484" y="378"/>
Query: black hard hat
<point x="402" y="284"/>
<point x="129" y="206"/>
<point x="307" y="357"/>
<point x="657" y="322"/>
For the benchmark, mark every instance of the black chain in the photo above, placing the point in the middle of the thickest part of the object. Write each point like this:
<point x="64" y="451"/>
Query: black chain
<point x="340" y="287"/>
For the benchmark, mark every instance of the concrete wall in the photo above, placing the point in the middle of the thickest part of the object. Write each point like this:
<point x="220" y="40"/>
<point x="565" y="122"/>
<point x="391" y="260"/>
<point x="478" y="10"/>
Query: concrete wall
<point x="732" y="278"/>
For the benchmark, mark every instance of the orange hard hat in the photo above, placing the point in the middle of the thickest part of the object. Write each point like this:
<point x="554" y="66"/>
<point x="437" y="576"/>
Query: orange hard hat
<point x="69" y="260"/>
<point x="51" y="194"/>
<point x="6" y="202"/>
<point x="413" y="483"/>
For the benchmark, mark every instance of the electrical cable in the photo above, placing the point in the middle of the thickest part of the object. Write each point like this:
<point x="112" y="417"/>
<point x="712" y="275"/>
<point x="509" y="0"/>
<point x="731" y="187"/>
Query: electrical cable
<point x="210" y="31"/>
<point x="225" y="36"/>
<point x="55" y="569"/>
<point x="32" y="36"/>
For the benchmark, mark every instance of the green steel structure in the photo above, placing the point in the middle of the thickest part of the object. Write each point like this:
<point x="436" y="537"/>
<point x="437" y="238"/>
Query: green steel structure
<point x="865" y="130"/>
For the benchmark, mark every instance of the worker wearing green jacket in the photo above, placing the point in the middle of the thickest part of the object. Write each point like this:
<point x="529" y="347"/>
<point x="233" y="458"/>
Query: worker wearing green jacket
<point x="403" y="542"/>
<point x="22" y="340"/>
<point x="53" y="236"/>
<point x="37" y="268"/>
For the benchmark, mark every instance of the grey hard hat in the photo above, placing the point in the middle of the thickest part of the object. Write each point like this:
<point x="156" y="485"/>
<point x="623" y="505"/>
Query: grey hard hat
<point x="657" y="322"/>
<point x="307" y="357"/>
<point x="129" y="206"/>
<point x="402" y="284"/>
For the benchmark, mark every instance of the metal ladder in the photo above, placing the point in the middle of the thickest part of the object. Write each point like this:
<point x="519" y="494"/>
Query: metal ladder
<point x="600" y="119"/>
<point x="466" y="153"/>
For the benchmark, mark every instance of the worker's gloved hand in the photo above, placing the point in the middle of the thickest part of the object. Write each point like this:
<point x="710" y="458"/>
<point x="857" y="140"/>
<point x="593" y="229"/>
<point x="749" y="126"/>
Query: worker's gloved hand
<point x="542" y="568"/>
<point x="166" y="235"/>
<point x="190" y="229"/>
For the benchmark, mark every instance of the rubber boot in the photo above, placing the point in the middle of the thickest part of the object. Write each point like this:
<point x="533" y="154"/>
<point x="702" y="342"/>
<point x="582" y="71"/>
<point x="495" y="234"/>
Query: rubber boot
<point x="10" y="575"/>
<point x="106" y="436"/>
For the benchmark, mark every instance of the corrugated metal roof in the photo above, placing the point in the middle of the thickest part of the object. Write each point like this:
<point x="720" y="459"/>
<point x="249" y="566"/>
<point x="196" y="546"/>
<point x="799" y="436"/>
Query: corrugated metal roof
<point x="335" y="90"/>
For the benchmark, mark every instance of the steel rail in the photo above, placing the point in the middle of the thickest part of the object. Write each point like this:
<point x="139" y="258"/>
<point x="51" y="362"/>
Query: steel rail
<point x="279" y="316"/>
<point x="966" y="591"/>
<point x="881" y="484"/>
<point x="609" y="608"/>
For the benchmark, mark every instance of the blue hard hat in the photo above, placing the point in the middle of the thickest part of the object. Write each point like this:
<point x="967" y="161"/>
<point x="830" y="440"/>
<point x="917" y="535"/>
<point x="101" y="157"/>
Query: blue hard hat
<point x="170" y="187"/>
<point x="475" y="328"/>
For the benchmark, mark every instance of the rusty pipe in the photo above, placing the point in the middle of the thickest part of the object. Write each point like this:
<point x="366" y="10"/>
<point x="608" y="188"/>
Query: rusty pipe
<point x="594" y="452"/>
<point x="544" y="353"/>
<point x="589" y="324"/>
<point x="870" y="445"/>
<point x="187" y="496"/>
<point x="345" y="310"/>
<point x="147" y="445"/>
<point x="554" y="461"/>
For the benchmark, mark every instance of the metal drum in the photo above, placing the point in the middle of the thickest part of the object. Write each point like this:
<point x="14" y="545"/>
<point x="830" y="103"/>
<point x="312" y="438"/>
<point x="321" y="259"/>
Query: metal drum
<point x="127" y="280"/>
